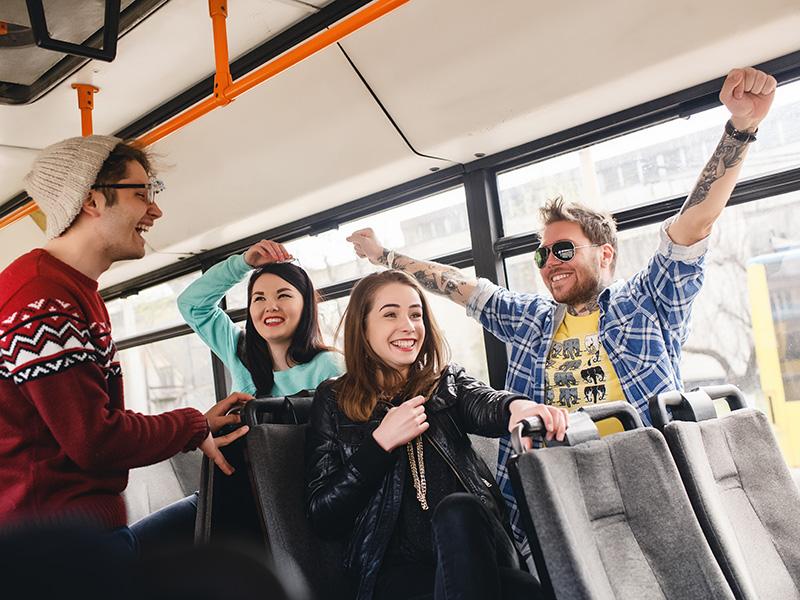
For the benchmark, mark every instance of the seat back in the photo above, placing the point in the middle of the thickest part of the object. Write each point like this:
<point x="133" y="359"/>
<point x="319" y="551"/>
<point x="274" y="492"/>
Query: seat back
<point x="487" y="449"/>
<point x="227" y="510"/>
<point x="609" y="519"/>
<point x="275" y="453"/>
<point x="742" y="493"/>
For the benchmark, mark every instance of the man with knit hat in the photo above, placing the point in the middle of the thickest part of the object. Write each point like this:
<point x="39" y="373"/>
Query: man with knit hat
<point x="66" y="440"/>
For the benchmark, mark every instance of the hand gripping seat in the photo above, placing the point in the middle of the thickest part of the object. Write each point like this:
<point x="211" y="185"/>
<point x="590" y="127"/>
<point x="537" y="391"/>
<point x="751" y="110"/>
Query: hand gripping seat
<point x="740" y="487"/>
<point x="608" y="518"/>
<point x="309" y="565"/>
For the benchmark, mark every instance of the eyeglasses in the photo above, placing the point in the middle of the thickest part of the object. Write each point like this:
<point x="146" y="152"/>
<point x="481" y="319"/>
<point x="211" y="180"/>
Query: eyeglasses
<point x="563" y="250"/>
<point x="153" y="187"/>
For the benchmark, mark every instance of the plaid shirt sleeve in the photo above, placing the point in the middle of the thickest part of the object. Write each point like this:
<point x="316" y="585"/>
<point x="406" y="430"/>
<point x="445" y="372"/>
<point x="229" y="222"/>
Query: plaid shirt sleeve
<point x="500" y="311"/>
<point x="672" y="279"/>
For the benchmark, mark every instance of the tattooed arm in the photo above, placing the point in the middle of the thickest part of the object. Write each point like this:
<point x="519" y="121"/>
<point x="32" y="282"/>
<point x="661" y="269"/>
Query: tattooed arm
<point x="748" y="94"/>
<point x="440" y="279"/>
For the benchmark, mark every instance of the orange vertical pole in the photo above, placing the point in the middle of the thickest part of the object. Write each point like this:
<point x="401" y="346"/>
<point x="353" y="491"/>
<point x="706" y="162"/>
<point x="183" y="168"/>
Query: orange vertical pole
<point x="86" y="94"/>
<point x="222" y="79"/>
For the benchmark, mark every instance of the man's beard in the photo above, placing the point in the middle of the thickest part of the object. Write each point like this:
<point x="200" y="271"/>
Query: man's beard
<point x="583" y="292"/>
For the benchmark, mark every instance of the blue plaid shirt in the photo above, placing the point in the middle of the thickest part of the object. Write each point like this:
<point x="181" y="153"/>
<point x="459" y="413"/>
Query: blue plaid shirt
<point x="644" y="321"/>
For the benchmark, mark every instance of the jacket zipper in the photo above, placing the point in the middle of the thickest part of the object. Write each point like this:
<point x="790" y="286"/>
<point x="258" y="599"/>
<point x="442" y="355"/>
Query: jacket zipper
<point x="438" y="449"/>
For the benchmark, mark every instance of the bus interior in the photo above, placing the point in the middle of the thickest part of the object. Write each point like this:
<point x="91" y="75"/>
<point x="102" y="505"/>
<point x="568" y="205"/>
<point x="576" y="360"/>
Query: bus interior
<point x="441" y="124"/>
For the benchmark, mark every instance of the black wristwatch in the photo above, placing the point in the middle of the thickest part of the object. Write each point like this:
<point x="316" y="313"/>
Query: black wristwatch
<point x="740" y="136"/>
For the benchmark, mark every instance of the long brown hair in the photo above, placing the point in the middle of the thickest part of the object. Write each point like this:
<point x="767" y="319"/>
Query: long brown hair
<point x="358" y="390"/>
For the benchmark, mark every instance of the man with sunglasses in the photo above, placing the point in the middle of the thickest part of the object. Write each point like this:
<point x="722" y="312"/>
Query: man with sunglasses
<point x="597" y="339"/>
<point x="66" y="440"/>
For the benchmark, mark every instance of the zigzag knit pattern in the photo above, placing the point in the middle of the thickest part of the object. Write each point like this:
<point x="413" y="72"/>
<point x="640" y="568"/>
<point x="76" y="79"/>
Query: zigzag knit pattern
<point x="49" y="336"/>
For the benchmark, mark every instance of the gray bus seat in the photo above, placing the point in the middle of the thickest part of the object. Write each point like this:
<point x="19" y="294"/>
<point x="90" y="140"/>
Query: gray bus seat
<point x="740" y="487"/>
<point x="487" y="449"/>
<point x="226" y="508"/>
<point x="275" y="457"/>
<point x="609" y="518"/>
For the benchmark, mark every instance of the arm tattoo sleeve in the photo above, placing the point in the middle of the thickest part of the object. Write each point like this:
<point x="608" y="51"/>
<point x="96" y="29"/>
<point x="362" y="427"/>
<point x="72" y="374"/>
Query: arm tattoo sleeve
<point x="383" y="259"/>
<point x="440" y="279"/>
<point x="728" y="154"/>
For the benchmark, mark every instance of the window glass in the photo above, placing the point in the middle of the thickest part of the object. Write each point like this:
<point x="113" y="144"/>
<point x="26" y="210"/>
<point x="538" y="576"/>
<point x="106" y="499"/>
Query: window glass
<point x="153" y="308"/>
<point x="425" y="228"/>
<point x="652" y="164"/>
<point x="173" y="373"/>
<point x="746" y="320"/>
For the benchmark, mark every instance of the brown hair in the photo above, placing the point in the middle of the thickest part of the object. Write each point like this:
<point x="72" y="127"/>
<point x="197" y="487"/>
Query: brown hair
<point x="359" y="390"/>
<point x="116" y="165"/>
<point x="598" y="226"/>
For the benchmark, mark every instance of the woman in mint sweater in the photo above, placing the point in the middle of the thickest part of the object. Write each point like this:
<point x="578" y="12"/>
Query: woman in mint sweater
<point x="280" y="351"/>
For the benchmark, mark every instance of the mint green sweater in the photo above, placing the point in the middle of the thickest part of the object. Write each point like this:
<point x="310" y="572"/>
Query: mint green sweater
<point x="199" y="306"/>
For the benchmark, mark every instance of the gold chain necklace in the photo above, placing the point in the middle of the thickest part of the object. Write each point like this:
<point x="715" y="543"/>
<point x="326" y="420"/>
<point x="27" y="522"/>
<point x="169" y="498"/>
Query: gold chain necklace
<point x="418" y="471"/>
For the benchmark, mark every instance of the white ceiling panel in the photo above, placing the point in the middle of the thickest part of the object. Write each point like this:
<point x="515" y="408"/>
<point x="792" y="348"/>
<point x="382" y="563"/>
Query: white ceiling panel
<point x="14" y="164"/>
<point x="466" y="76"/>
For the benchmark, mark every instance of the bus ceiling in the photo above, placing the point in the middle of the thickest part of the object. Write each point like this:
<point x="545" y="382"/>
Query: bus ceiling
<point x="509" y="82"/>
<point x="225" y="88"/>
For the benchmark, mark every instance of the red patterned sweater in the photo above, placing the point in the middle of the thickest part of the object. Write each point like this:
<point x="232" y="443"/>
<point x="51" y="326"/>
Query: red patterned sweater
<point x="66" y="440"/>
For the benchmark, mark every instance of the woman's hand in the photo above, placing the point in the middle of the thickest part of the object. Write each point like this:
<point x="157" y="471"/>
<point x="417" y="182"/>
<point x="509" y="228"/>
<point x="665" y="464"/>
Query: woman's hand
<point x="402" y="424"/>
<point x="218" y="416"/>
<point x="555" y="419"/>
<point x="266" y="252"/>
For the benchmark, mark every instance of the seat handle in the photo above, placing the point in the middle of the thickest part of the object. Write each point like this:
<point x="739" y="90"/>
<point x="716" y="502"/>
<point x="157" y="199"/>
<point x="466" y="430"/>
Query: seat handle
<point x="624" y="411"/>
<point x="695" y="405"/>
<point x="580" y="428"/>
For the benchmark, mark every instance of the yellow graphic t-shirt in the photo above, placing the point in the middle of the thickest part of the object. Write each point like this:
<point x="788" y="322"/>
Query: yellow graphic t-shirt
<point x="578" y="371"/>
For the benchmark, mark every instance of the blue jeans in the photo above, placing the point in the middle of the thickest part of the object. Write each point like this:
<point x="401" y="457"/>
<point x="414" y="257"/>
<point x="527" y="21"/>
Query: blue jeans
<point x="173" y="525"/>
<point x="122" y="541"/>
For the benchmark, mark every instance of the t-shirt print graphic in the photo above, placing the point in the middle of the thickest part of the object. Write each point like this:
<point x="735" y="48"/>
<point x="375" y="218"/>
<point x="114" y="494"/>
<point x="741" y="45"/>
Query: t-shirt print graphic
<point x="574" y="373"/>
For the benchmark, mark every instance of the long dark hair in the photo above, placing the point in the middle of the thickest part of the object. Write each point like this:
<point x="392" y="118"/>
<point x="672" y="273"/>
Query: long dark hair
<point x="359" y="389"/>
<point x="307" y="341"/>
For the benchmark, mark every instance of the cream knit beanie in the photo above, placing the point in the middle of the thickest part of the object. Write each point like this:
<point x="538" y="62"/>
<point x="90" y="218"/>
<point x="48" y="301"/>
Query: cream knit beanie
<point x="62" y="176"/>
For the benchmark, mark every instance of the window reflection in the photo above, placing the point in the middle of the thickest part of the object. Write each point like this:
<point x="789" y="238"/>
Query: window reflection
<point x="151" y="309"/>
<point x="426" y="228"/>
<point x="170" y="374"/>
<point x="659" y="162"/>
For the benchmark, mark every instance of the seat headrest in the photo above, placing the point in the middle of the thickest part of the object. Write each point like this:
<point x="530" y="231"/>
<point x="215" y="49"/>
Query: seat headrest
<point x="290" y="410"/>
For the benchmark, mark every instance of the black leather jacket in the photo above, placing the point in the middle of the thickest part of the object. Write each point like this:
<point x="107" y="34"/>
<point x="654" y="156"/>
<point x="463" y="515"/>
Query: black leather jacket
<point x="354" y="487"/>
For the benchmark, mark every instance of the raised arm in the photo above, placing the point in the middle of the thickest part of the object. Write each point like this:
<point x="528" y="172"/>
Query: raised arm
<point x="440" y="279"/>
<point x="747" y="94"/>
<point x="199" y="302"/>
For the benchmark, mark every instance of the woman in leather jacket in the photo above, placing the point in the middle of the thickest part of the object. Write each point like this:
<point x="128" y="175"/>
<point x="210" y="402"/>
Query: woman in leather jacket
<point x="389" y="463"/>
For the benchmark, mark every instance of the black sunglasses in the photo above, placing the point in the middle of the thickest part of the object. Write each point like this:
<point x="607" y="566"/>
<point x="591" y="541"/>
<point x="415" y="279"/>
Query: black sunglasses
<point x="563" y="250"/>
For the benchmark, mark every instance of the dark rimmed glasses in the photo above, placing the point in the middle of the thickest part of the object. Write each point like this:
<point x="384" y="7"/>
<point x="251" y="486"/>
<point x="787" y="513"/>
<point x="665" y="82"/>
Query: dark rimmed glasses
<point x="563" y="250"/>
<point x="153" y="187"/>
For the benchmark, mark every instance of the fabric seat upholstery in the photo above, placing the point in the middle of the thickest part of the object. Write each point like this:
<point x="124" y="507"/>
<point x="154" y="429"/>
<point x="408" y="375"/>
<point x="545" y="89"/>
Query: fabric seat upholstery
<point x="745" y="500"/>
<point x="275" y="453"/>
<point x="611" y="520"/>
